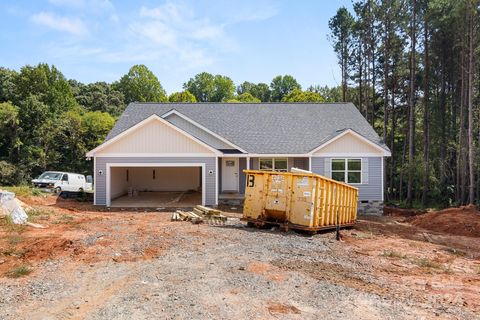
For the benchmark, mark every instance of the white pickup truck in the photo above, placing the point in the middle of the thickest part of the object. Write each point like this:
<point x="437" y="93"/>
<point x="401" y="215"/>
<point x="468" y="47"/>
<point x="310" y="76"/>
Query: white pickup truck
<point x="63" y="181"/>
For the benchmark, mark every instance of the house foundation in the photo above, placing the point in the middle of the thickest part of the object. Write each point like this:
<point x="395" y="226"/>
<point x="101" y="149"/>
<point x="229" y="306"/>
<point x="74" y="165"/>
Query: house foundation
<point x="370" y="207"/>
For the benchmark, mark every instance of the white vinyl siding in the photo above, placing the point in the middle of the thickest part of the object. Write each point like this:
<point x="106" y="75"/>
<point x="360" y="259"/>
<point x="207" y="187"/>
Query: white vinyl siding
<point x="155" y="137"/>
<point x="348" y="145"/>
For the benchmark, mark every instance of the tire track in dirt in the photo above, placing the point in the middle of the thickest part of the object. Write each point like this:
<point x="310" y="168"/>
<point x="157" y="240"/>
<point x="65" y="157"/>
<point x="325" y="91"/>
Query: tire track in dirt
<point x="91" y="296"/>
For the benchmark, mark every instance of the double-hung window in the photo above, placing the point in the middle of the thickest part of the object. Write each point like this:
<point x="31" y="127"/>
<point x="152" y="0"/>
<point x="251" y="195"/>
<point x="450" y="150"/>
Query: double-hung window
<point x="273" y="164"/>
<point x="347" y="170"/>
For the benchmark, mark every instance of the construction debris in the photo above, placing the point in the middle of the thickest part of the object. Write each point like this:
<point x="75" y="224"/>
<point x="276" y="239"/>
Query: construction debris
<point x="200" y="214"/>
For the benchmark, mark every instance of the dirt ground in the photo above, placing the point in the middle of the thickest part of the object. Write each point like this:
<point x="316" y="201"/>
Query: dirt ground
<point x="92" y="263"/>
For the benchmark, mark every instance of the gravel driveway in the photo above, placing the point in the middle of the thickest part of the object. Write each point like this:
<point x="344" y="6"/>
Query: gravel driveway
<point x="220" y="272"/>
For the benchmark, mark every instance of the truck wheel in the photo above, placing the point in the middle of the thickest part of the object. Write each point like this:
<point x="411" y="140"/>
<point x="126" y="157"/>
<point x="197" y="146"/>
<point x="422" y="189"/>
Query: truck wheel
<point x="80" y="189"/>
<point x="57" y="190"/>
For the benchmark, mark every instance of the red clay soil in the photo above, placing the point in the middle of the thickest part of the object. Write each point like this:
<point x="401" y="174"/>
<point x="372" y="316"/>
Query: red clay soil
<point x="462" y="221"/>
<point x="398" y="212"/>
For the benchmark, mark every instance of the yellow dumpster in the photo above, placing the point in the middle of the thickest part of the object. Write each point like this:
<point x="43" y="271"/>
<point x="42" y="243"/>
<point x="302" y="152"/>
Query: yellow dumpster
<point x="297" y="200"/>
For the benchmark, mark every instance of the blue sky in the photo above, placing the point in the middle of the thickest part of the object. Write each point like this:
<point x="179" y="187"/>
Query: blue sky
<point x="99" y="40"/>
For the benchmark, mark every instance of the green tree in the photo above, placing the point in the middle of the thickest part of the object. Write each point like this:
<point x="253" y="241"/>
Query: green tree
<point x="244" y="98"/>
<point x="9" y="126"/>
<point x="99" y="96"/>
<point x="46" y="83"/>
<point x="72" y="149"/>
<point x="329" y="94"/>
<point x="96" y="126"/>
<point x="7" y="85"/>
<point x="8" y="173"/>
<point x="244" y="87"/>
<point x="209" y="88"/>
<point x="260" y="91"/>
<point x="341" y="35"/>
<point x="282" y="86"/>
<point x="183" y="96"/>
<point x="37" y="134"/>
<point x="141" y="85"/>
<point x="224" y="88"/>
<point x="298" y="95"/>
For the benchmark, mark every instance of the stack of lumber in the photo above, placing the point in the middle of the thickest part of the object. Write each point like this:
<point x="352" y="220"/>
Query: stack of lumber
<point x="200" y="214"/>
<point x="180" y="215"/>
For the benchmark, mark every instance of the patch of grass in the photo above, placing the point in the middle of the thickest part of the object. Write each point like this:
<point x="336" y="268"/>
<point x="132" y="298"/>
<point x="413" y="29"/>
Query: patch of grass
<point x="14" y="253"/>
<point x="426" y="263"/>
<point x="393" y="254"/>
<point x="38" y="214"/>
<point x="7" y="224"/>
<point x="23" y="191"/>
<point x="64" y="218"/>
<point x="15" y="239"/>
<point x="18" y="272"/>
<point x="362" y="235"/>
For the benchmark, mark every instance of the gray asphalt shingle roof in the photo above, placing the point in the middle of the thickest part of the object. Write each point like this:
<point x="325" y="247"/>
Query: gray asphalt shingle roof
<point x="268" y="128"/>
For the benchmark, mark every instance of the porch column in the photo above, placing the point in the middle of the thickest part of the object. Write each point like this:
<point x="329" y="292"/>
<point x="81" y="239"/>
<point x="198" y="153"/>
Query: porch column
<point x="248" y="163"/>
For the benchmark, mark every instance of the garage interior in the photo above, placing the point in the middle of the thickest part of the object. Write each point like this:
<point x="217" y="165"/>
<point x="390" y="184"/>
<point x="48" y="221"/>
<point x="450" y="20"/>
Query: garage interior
<point x="155" y="186"/>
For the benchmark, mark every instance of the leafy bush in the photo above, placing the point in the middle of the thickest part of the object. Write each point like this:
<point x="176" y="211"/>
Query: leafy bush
<point x="8" y="173"/>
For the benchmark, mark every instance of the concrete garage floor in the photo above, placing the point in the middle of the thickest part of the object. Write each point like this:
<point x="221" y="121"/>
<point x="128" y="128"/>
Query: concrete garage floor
<point x="157" y="199"/>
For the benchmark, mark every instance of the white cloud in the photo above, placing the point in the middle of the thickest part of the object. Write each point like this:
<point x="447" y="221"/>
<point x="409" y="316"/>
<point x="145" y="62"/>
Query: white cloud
<point x="174" y="32"/>
<point x="70" y="25"/>
<point x="178" y="20"/>
<point x="171" y="36"/>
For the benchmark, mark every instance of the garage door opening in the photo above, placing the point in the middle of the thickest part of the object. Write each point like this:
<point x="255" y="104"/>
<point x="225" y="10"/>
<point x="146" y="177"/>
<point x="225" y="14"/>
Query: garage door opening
<point x="155" y="186"/>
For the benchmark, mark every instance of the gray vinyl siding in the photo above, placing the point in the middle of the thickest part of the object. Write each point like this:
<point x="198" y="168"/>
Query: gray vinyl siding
<point x="101" y="164"/>
<point x="241" y="175"/>
<point x="318" y="165"/>
<point x="254" y="164"/>
<point x="197" y="132"/>
<point x="372" y="190"/>
<point x="220" y="168"/>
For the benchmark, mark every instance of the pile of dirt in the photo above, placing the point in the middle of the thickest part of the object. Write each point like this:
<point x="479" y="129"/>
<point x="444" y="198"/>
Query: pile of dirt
<point x="462" y="221"/>
<point x="398" y="212"/>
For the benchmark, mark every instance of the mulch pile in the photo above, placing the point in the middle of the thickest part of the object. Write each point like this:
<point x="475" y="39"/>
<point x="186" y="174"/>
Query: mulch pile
<point x="462" y="221"/>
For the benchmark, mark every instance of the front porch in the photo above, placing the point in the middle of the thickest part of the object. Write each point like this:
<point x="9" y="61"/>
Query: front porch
<point x="233" y="199"/>
<point x="231" y="178"/>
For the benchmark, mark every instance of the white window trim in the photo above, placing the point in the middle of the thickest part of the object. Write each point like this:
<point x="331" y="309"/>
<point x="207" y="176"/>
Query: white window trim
<point x="273" y="164"/>
<point x="346" y="169"/>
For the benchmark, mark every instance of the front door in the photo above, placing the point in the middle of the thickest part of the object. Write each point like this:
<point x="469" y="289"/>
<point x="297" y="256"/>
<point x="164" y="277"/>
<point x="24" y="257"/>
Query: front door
<point x="230" y="174"/>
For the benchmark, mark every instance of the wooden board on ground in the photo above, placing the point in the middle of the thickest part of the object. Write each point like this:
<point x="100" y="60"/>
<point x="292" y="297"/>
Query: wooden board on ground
<point x="207" y="210"/>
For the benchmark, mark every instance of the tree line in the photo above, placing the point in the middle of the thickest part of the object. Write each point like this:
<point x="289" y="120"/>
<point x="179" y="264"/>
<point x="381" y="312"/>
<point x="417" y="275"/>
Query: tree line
<point x="48" y="122"/>
<point x="411" y="67"/>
